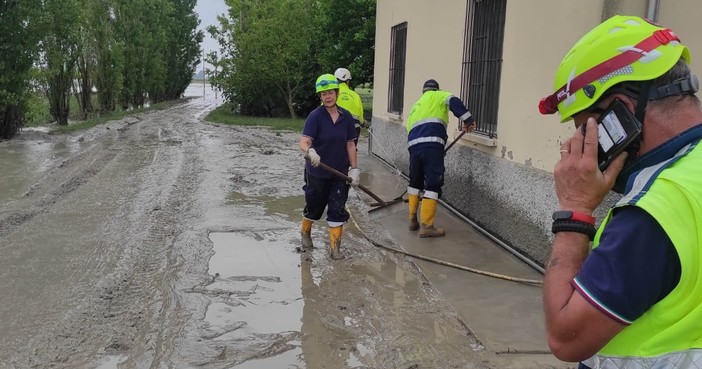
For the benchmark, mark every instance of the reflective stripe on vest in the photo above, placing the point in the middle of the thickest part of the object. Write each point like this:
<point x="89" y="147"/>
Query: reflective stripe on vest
<point x="687" y="359"/>
<point x="426" y="139"/>
<point x="428" y="120"/>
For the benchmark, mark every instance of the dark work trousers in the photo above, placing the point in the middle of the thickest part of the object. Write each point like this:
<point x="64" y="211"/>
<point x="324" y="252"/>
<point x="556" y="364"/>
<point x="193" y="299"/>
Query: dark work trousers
<point x="358" y="134"/>
<point x="426" y="168"/>
<point x="331" y="193"/>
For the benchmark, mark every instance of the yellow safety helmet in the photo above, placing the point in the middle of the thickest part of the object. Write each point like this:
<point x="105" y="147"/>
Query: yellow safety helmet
<point x="622" y="48"/>
<point x="326" y="82"/>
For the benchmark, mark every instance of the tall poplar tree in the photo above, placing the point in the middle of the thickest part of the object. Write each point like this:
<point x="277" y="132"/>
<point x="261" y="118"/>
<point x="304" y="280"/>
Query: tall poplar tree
<point x="59" y="53"/>
<point x="19" y="39"/>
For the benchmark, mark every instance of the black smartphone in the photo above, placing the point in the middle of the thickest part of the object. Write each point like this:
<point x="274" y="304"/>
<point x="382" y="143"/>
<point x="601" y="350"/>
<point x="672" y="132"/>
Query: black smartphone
<point x="617" y="130"/>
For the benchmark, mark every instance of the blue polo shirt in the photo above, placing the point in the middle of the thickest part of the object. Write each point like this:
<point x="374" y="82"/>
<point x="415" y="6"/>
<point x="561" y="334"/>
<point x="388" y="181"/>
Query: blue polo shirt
<point x="329" y="140"/>
<point x="635" y="265"/>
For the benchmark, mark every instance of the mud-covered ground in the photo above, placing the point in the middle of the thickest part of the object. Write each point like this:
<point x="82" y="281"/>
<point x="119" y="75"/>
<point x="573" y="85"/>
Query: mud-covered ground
<point x="160" y="241"/>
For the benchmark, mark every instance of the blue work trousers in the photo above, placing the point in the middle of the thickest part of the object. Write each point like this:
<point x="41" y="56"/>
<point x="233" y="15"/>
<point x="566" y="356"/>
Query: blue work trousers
<point x="331" y="193"/>
<point x="426" y="168"/>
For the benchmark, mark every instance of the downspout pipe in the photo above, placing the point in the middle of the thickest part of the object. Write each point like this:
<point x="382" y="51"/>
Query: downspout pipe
<point x="652" y="12"/>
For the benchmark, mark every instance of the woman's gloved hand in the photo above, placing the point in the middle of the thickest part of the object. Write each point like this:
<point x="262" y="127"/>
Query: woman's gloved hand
<point x="355" y="175"/>
<point x="314" y="157"/>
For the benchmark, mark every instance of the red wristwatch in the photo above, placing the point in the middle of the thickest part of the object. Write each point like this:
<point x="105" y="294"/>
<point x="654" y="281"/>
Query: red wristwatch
<point x="574" y="215"/>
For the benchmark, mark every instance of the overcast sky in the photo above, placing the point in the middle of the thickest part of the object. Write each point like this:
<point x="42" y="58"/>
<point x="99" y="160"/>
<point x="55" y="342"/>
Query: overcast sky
<point x="208" y="10"/>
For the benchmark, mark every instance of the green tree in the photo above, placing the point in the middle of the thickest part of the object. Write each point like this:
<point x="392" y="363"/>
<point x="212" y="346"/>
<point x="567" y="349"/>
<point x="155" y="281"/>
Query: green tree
<point x="131" y="30"/>
<point x="183" y="52"/>
<point x="60" y="53"/>
<point x="266" y="65"/>
<point x="109" y="53"/>
<point x="347" y="37"/>
<point x="19" y="39"/>
<point x="86" y="63"/>
<point x="157" y="15"/>
<point x="272" y="51"/>
<point x="161" y="48"/>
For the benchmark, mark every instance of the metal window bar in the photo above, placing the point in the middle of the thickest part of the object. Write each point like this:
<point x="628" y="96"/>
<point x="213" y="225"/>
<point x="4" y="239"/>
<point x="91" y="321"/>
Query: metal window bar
<point x="396" y="89"/>
<point x="482" y="61"/>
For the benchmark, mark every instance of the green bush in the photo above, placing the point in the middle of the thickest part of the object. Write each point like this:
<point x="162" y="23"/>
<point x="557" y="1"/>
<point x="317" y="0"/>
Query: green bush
<point x="37" y="111"/>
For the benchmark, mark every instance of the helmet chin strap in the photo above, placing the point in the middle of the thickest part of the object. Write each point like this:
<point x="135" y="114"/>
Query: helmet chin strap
<point x="642" y="102"/>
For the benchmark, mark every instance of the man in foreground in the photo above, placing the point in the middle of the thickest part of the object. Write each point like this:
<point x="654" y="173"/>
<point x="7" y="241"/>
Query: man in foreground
<point x="635" y="299"/>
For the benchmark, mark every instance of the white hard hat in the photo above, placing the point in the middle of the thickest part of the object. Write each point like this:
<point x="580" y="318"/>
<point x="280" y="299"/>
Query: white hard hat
<point x="342" y="74"/>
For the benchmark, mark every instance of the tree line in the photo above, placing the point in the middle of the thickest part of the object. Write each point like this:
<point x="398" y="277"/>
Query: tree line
<point x="272" y="51"/>
<point x="123" y="51"/>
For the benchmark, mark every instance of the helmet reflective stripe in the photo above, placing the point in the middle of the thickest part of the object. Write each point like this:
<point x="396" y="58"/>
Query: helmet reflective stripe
<point x="326" y="82"/>
<point x="608" y="66"/>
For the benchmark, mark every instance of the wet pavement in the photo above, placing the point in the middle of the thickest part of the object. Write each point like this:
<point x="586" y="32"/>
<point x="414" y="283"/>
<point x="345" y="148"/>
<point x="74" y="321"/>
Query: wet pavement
<point x="158" y="241"/>
<point x="505" y="316"/>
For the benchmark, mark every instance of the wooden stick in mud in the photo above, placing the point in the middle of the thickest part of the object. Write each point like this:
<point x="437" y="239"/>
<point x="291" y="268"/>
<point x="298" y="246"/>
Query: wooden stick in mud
<point x="344" y="176"/>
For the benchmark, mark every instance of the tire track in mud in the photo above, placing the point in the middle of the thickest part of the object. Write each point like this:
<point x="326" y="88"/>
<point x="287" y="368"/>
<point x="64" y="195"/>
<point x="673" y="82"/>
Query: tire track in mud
<point x="134" y="311"/>
<point x="79" y="177"/>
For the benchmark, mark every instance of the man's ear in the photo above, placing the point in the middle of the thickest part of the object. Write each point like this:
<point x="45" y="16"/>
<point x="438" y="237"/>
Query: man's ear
<point x="625" y="99"/>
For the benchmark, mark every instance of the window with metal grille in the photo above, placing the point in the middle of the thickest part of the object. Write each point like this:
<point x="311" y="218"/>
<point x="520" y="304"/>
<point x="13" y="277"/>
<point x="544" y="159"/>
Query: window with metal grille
<point x="398" y="48"/>
<point x="482" y="62"/>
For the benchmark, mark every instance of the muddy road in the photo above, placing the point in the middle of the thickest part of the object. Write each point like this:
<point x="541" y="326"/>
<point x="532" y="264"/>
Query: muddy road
<point x="160" y="241"/>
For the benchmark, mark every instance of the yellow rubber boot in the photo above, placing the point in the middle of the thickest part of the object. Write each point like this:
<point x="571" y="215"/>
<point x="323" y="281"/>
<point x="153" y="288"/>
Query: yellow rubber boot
<point x="335" y="242"/>
<point x="306" y="235"/>
<point x="413" y="206"/>
<point x="427" y="216"/>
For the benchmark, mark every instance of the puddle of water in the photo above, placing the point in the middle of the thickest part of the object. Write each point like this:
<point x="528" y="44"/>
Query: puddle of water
<point x="258" y="279"/>
<point x="266" y="295"/>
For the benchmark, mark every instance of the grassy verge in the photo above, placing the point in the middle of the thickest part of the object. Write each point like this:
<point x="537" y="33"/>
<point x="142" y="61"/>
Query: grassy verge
<point x="92" y="122"/>
<point x="223" y="115"/>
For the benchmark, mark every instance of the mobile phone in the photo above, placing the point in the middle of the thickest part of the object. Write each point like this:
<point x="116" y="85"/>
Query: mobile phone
<point x="617" y="130"/>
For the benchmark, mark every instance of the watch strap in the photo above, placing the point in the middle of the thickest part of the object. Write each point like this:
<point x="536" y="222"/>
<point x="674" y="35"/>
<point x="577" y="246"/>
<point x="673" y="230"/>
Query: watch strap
<point x="574" y="226"/>
<point x="574" y="215"/>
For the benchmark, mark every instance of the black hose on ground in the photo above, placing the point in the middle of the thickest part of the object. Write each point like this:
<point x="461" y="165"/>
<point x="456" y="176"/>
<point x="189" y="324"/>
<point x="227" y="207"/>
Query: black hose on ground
<point x="533" y="282"/>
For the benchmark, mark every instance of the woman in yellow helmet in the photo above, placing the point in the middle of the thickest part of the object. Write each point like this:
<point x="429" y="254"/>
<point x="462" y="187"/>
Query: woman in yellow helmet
<point x="328" y="137"/>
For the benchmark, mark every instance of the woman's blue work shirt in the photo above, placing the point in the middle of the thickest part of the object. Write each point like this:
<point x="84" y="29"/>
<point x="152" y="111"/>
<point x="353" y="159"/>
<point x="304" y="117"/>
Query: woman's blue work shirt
<point x="329" y="139"/>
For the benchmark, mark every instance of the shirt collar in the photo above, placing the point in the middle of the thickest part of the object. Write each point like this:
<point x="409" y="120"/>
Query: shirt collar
<point x="669" y="148"/>
<point x="657" y="157"/>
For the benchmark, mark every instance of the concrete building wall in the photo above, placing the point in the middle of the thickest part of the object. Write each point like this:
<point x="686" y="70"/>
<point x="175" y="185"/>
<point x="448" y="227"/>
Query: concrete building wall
<point x="503" y="184"/>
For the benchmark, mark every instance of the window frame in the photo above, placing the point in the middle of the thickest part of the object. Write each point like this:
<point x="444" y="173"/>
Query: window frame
<point x="481" y="68"/>
<point x="396" y="78"/>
